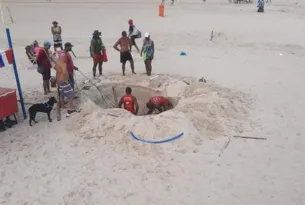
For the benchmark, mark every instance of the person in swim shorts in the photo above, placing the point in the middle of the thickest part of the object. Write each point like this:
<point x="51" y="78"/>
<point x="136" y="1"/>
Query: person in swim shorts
<point x="97" y="47"/>
<point x="56" y="32"/>
<point x="64" y="87"/>
<point x="148" y="53"/>
<point x="125" y="46"/>
<point x="157" y="102"/>
<point x="129" y="101"/>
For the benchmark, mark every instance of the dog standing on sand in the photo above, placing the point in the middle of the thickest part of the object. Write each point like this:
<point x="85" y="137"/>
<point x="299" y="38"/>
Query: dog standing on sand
<point x="42" y="107"/>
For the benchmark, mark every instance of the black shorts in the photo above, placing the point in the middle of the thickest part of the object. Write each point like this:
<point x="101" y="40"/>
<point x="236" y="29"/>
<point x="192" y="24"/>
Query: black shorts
<point x="46" y="75"/>
<point x="57" y="44"/>
<point x="126" y="56"/>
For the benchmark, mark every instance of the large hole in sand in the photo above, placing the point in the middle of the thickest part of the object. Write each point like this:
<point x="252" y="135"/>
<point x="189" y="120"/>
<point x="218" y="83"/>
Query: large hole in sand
<point x="110" y="95"/>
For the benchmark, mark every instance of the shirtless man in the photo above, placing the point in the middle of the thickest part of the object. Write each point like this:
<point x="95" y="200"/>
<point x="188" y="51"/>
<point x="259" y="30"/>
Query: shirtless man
<point x="64" y="87"/>
<point x="129" y="101"/>
<point x="158" y="102"/>
<point x="125" y="47"/>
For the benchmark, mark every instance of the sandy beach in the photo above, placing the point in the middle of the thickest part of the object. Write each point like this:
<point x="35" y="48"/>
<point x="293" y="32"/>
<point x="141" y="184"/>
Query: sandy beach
<point x="254" y="70"/>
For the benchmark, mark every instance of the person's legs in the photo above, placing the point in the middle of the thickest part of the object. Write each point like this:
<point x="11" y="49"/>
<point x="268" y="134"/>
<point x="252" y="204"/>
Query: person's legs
<point x="123" y="67"/>
<point x="133" y="39"/>
<point x="71" y="102"/>
<point x="2" y="126"/>
<point x="135" y="45"/>
<point x="100" y="67"/>
<point x="71" y="80"/>
<point x="45" y="87"/>
<point x="94" y="67"/>
<point x="132" y="66"/>
<point x="148" y="67"/>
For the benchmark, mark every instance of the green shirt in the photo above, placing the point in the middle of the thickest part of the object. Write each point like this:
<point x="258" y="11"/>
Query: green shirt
<point x="97" y="46"/>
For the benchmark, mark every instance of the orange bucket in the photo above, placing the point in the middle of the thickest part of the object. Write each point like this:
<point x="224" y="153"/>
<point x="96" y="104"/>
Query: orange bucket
<point x="9" y="56"/>
<point x="161" y="10"/>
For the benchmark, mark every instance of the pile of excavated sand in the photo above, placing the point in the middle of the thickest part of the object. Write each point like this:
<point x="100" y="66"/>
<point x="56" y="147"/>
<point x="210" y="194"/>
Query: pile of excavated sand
<point x="203" y="110"/>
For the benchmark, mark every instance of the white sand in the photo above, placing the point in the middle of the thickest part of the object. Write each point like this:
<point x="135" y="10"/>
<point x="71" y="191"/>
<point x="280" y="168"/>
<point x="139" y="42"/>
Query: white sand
<point x="252" y="90"/>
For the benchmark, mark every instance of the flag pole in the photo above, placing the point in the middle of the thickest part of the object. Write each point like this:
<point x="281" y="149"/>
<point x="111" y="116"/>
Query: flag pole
<point x="8" y="34"/>
<point x="1" y="13"/>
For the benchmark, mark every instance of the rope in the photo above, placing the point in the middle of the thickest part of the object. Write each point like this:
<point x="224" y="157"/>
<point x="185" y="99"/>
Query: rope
<point x="102" y="95"/>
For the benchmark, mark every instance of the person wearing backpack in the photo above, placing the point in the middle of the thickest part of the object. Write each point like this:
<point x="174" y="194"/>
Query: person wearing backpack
<point x="44" y="66"/>
<point x="96" y="50"/>
<point x="134" y="33"/>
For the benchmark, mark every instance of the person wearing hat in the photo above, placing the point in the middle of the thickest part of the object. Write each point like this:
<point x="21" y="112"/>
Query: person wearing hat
<point x="97" y="47"/>
<point x="134" y="33"/>
<point x="44" y="65"/>
<point x="148" y="52"/>
<point x="125" y="46"/>
<point x="56" y="32"/>
<point x="68" y="60"/>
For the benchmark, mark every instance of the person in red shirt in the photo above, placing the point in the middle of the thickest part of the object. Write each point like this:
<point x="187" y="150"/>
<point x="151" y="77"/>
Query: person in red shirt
<point x="158" y="102"/>
<point x="43" y="60"/>
<point x="129" y="101"/>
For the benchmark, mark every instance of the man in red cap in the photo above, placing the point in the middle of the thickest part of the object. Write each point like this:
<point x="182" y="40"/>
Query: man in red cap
<point x="134" y="33"/>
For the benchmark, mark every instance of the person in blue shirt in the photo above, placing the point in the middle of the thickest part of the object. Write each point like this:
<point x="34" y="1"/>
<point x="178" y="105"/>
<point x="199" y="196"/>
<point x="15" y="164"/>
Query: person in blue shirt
<point x="260" y="5"/>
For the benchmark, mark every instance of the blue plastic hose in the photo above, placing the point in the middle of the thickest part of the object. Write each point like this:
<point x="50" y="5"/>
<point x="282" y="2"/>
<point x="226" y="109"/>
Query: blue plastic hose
<point x="155" y="142"/>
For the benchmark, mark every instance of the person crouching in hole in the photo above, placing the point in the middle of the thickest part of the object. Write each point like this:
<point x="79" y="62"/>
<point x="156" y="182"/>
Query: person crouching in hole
<point x="159" y="103"/>
<point x="64" y="87"/>
<point x="129" y="101"/>
<point x="125" y="47"/>
<point x="148" y="52"/>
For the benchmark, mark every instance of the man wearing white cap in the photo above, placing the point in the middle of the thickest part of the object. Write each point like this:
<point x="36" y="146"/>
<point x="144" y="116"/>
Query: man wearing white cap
<point x="148" y="52"/>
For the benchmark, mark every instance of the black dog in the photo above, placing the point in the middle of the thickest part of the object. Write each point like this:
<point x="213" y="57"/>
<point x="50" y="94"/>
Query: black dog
<point x="42" y="107"/>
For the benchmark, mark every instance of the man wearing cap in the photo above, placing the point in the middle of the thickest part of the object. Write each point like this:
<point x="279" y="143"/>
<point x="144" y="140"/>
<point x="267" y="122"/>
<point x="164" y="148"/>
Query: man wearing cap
<point x="97" y="47"/>
<point x="125" y="46"/>
<point x="148" y="52"/>
<point x="44" y="63"/>
<point x="134" y="33"/>
<point x="56" y="32"/>
<point x="69" y="62"/>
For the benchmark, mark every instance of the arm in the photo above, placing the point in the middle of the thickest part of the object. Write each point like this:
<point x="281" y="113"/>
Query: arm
<point x="136" y="104"/>
<point x="153" y="49"/>
<point x="158" y="107"/>
<point x="150" y="111"/>
<point x="60" y="30"/>
<point x="120" y="103"/>
<point x="130" y="30"/>
<point x="130" y="44"/>
<point x="52" y="31"/>
<point x="142" y="49"/>
<point x="39" y="57"/>
<point x="103" y="46"/>
<point x="115" y="46"/>
<point x="92" y="48"/>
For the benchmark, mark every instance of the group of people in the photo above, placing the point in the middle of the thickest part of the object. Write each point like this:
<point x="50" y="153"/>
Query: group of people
<point x="130" y="103"/>
<point x="127" y="41"/>
<point x="62" y="62"/>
